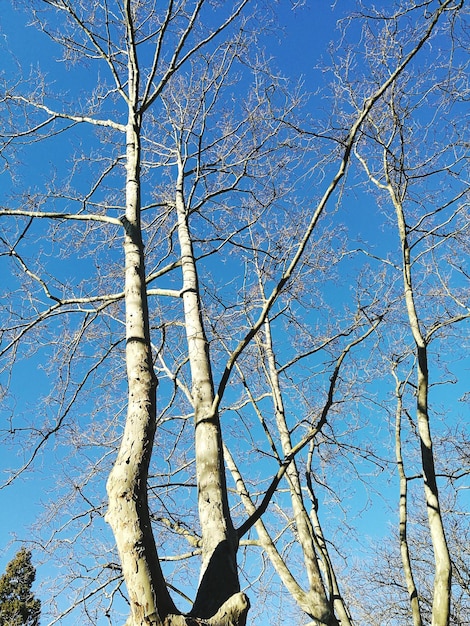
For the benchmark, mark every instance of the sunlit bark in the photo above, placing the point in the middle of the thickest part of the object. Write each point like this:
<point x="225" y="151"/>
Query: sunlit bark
<point x="394" y="181"/>
<point x="167" y="40"/>
<point x="128" y="511"/>
<point x="441" y="598"/>
<point x="219" y="577"/>
<point x="403" y="510"/>
<point x="321" y="608"/>
<point x="443" y="572"/>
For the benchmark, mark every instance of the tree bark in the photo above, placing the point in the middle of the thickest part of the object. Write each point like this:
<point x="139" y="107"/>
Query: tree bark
<point x="219" y="575"/>
<point x="443" y="570"/>
<point x="128" y="512"/>
<point x="233" y="612"/>
<point x="320" y="607"/>
<point x="403" y="513"/>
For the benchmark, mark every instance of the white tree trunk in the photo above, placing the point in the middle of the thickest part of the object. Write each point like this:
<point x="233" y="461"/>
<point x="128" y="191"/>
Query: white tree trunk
<point x="403" y="513"/>
<point x="219" y="576"/>
<point x="443" y="570"/>
<point x="319" y="604"/>
<point x="128" y="512"/>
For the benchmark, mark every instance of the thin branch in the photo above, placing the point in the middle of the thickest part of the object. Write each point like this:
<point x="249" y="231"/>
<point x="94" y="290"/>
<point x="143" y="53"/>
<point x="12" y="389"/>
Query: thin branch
<point x="348" y="146"/>
<point x="245" y="527"/>
<point x="80" y="217"/>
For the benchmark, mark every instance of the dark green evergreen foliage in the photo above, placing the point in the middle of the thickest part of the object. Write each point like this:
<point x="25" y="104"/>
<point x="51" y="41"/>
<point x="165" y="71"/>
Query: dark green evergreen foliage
<point x="18" y="606"/>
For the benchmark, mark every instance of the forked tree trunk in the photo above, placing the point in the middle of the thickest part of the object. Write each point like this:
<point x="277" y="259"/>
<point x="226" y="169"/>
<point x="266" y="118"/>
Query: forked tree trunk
<point x="443" y="566"/>
<point x="219" y="601"/>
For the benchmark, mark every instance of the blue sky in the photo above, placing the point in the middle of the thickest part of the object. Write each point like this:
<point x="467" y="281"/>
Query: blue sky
<point x="298" y="51"/>
<point x="304" y="39"/>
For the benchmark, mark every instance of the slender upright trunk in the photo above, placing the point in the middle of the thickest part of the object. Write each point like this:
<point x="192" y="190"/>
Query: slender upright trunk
<point x="219" y="575"/>
<point x="443" y="570"/>
<point x="339" y="605"/>
<point x="320" y="607"/>
<point x="403" y="513"/>
<point x="128" y="512"/>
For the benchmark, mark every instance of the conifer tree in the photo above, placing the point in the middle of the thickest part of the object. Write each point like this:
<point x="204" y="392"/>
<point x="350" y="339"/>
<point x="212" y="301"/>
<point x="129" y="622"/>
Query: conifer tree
<point x="18" y="606"/>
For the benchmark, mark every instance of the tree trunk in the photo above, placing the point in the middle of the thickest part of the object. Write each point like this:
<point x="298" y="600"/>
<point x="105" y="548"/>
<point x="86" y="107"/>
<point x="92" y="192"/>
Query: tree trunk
<point x="219" y="575"/>
<point x="403" y="513"/>
<point x="443" y="570"/>
<point x="320" y="606"/>
<point x="233" y="612"/>
<point x="128" y="512"/>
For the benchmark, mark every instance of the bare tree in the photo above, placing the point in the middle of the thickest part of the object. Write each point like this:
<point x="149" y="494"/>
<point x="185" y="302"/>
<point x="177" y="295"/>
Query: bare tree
<point x="428" y="225"/>
<point x="189" y="155"/>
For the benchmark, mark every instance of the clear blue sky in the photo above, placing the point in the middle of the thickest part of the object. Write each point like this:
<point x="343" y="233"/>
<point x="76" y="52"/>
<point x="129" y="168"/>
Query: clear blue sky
<point x="298" y="51"/>
<point x="307" y="33"/>
<point x="298" y="48"/>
